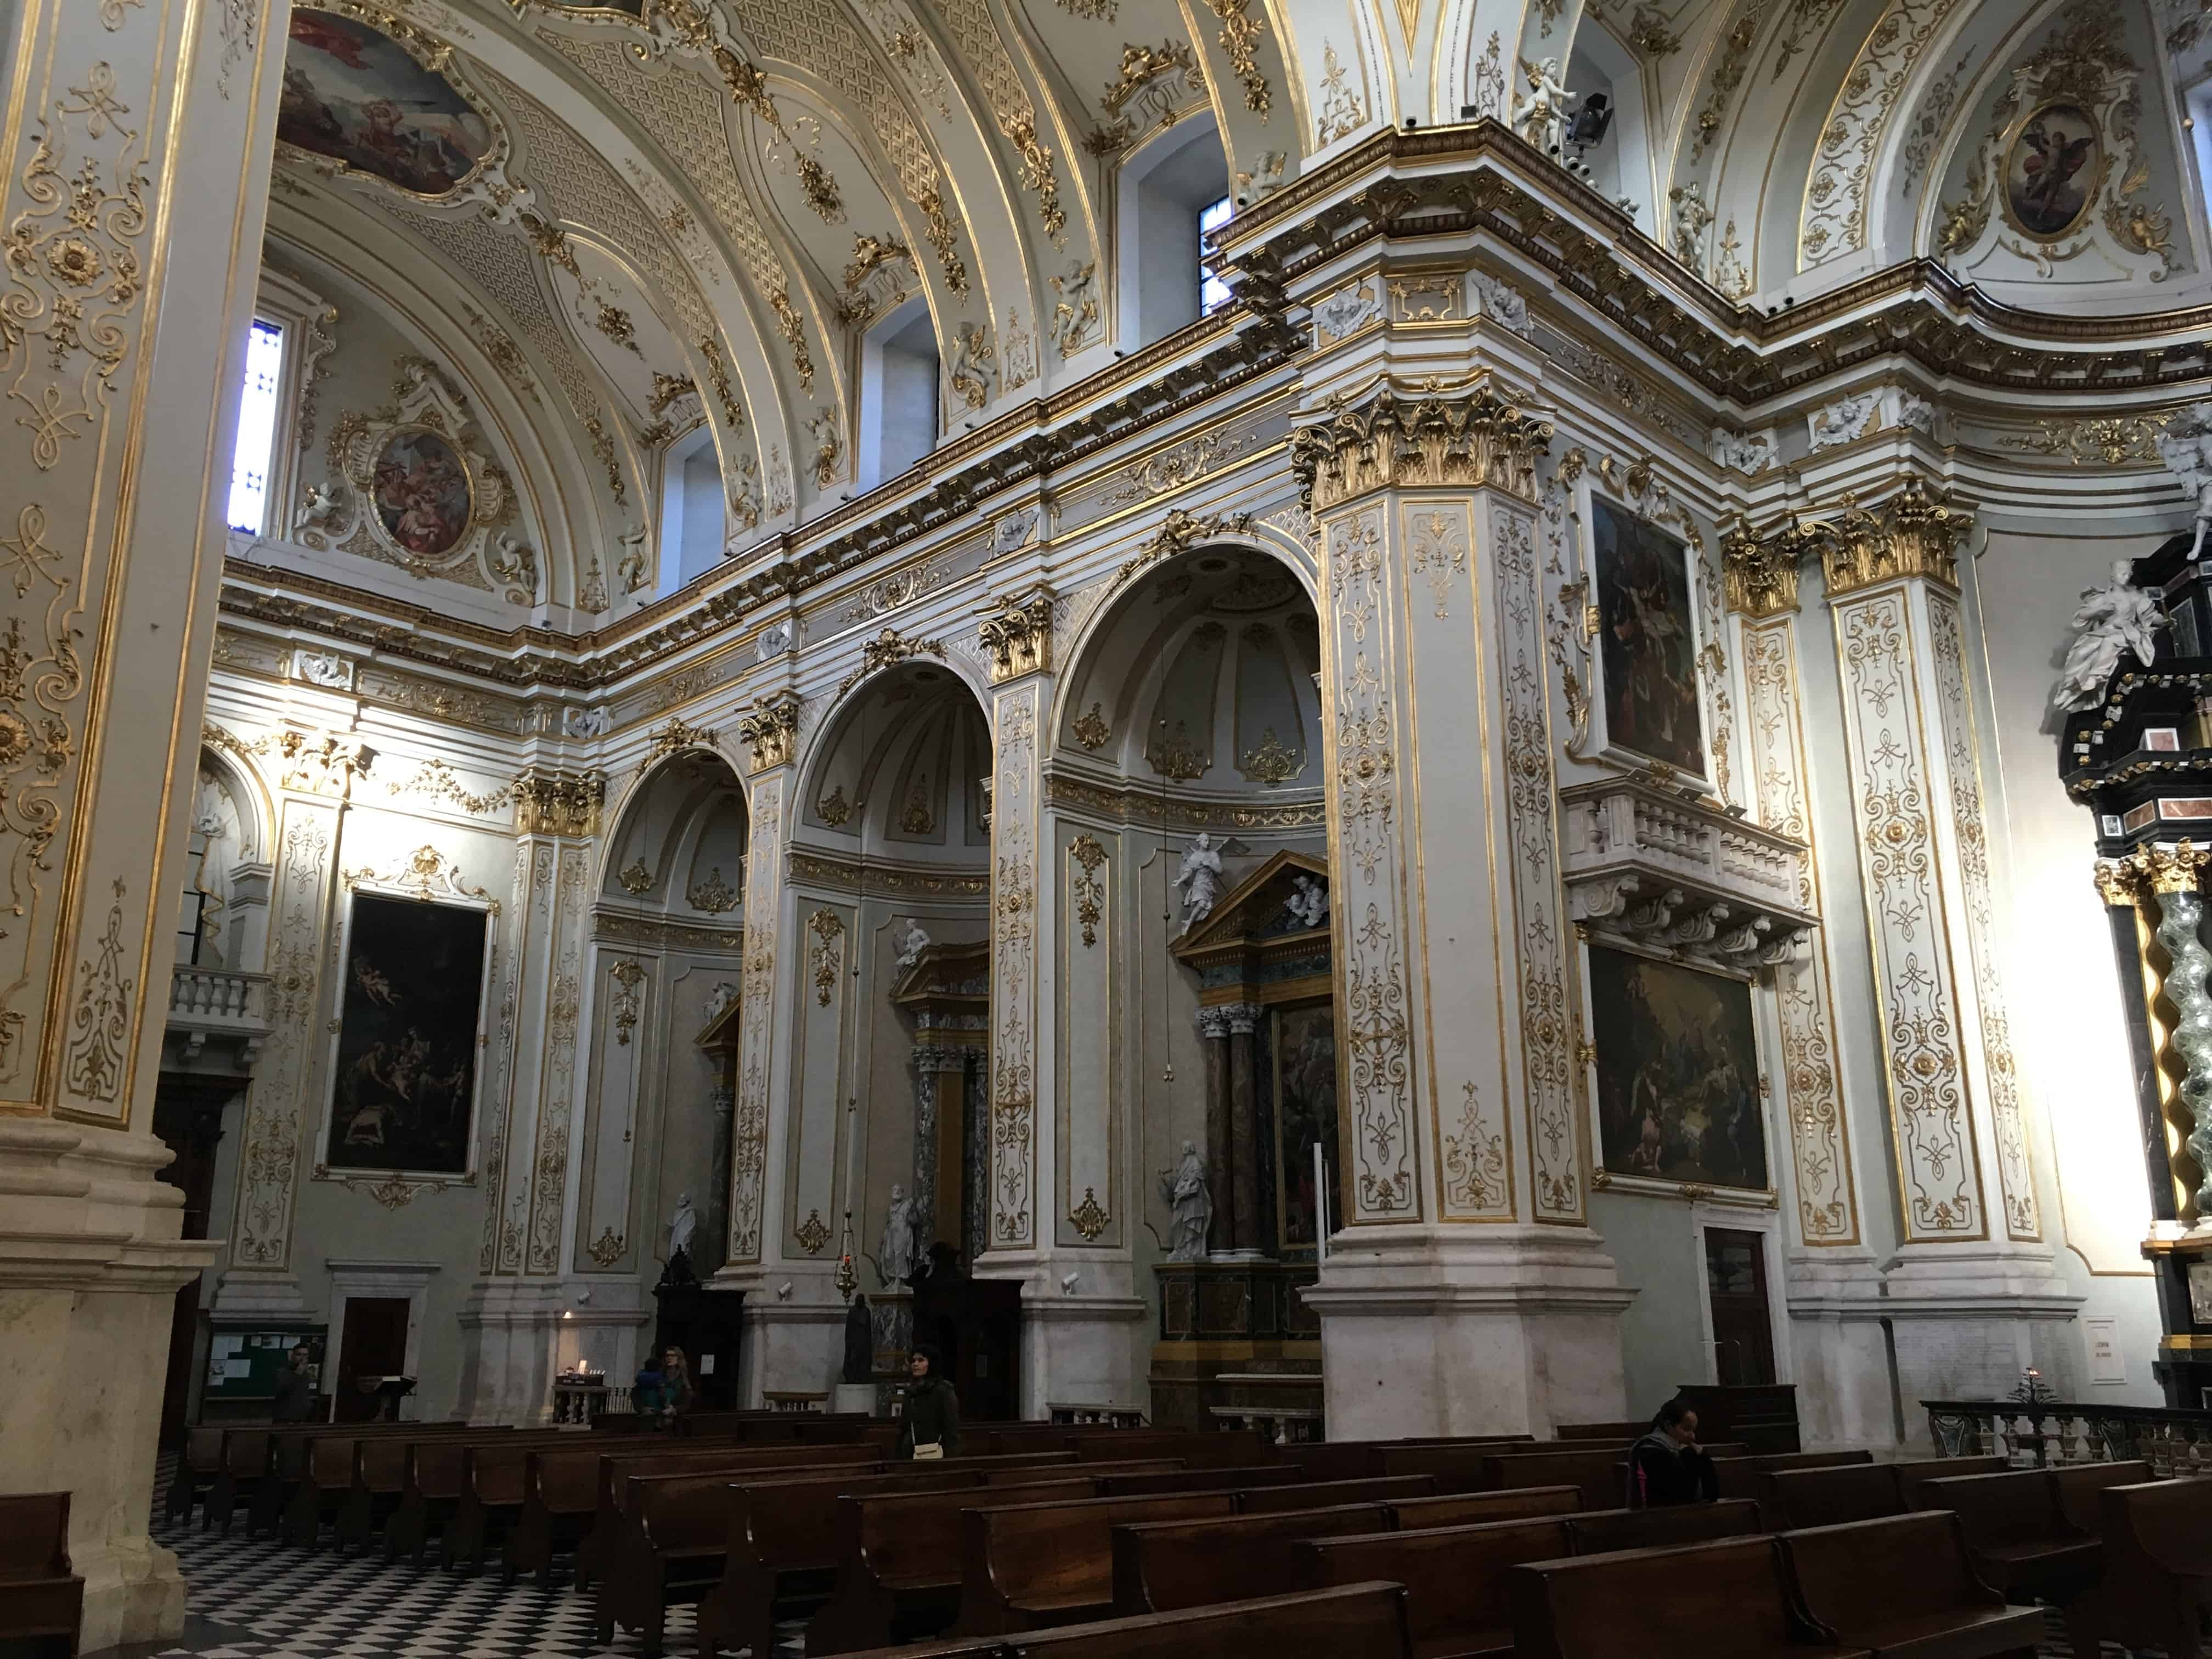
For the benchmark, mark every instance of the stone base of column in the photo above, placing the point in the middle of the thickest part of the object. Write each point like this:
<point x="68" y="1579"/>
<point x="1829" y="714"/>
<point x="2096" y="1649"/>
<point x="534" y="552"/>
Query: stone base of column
<point x="1966" y="1320"/>
<point x="1426" y="1333"/>
<point x="511" y="1330"/>
<point x="794" y="1346"/>
<point x="251" y="1295"/>
<point x="1839" y="1355"/>
<point x="90" y="1266"/>
<point x="1082" y="1350"/>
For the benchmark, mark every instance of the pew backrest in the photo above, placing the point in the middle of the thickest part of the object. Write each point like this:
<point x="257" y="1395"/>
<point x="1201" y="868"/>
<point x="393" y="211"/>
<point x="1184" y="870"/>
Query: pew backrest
<point x="1032" y="1551"/>
<point x="1131" y="1485"/>
<point x="1914" y="1473"/>
<point x="1466" y="1508"/>
<point x="1832" y="1497"/>
<point x="2165" y="1526"/>
<point x="1745" y="1477"/>
<point x="1596" y="1532"/>
<point x="2017" y="1508"/>
<point x="2082" y="1484"/>
<point x="33" y="1537"/>
<point x="1698" y="1601"/>
<point x="1456" y="1577"/>
<point x="1902" y="1564"/>
<point x="917" y="1535"/>
<point x="1159" y="1565"/>
<point x="1376" y="1489"/>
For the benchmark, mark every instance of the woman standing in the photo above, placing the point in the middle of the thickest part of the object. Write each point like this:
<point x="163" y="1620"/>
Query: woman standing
<point x="931" y="1428"/>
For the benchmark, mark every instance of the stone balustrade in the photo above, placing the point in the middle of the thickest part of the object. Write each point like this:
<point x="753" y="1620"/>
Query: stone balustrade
<point x="218" y="1019"/>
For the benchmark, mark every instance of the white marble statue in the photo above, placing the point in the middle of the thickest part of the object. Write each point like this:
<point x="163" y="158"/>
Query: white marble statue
<point x="1201" y="874"/>
<point x="629" y="569"/>
<point x="681" y="1226"/>
<point x="1539" y="115"/>
<point x="2186" y="448"/>
<point x="1183" y="1190"/>
<point x="720" y="997"/>
<point x="900" y="1243"/>
<point x="1308" y="905"/>
<point x="2116" y="617"/>
<point x="321" y="505"/>
<point x="911" y="944"/>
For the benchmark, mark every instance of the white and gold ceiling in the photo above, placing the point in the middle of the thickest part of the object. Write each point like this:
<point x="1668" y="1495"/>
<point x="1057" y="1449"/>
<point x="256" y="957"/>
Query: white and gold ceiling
<point x="614" y="222"/>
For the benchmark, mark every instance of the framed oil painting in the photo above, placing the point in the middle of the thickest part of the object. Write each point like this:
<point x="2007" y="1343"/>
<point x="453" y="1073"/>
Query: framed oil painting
<point x="2053" y="165"/>
<point x="355" y="95"/>
<point x="1304" y="1049"/>
<point x="404" y="1075"/>
<point x="423" y="492"/>
<point x="1648" y="655"/>
<point x="1677" y="1066"/>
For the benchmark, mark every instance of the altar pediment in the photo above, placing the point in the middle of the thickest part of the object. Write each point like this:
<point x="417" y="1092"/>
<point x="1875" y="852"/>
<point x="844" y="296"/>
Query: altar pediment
<point x="1649" y="865"/>
<point x="1255" y="934"/>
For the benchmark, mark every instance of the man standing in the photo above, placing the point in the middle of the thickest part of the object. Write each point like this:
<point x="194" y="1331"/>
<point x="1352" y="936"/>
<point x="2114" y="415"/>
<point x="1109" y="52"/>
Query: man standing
<point x="932" y="1428"/>
<point x="295" y="1390"/>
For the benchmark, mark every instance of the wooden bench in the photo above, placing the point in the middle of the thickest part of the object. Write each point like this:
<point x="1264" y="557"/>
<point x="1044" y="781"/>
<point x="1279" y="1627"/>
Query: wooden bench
<point x="431" y="1481"/>
<point x="1239" y="1479"/>
<point x="1466" y="1508"/>
<point x="1600" y="1473"/>
<point x="2021" y="1541"/>
<point x="1031" y="1565"/>
<point x="327" y="1460"/>
<point x="1831" y="1497"/>
<point x="900" y="1557"/>
<point x="243" y="1467"/>
<point x="379" y="1486"/>
<point x="1905" y="1587"/>
<point x="1916" y="1473"/>
<point x="199" y="1461"/>
<point x="2157" y="1587"/>
<point x="1625" y="1433"/>
<point x="1161" y="1565"/>
<point x="1597" y="1531"/>
<point x="1356" y="1460"/>
<point x="41" y="1601"/>
<point x="1323" y="1494"/>
<point x="2081" y="1487"/>
<point x="1361" y="1621"/>
<point x="1217" y="1448"/>
<point x="1729" y="1600"/>
<point x="1456" y="1577"/>
<point x="1746" y="1477"/>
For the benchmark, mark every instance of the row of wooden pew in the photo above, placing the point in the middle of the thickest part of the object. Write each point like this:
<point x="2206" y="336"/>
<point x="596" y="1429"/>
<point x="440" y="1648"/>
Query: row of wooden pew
<point x="41" y="1597"/>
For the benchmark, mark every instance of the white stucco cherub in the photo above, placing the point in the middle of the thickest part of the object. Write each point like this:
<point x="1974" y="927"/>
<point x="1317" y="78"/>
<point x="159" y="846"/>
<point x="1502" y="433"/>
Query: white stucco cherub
<point x="1539" y="115"/>
<point x="2117" y="617"/>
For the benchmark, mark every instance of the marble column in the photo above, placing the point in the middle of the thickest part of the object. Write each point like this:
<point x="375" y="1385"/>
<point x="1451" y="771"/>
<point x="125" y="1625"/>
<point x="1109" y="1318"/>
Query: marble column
<point x="940" y="1073"/>
<point x="1220" y="1136"/>
<point x="136" y="143"/>
<point x="1243" y="1183"/>
<point x="1975" y="1294"/>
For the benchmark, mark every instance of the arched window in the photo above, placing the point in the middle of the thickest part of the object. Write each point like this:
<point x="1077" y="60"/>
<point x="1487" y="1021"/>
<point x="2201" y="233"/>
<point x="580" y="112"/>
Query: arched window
<point x="899" y="392"/>
<point x="691" y="520"/>
<point x="1171" y="187"/>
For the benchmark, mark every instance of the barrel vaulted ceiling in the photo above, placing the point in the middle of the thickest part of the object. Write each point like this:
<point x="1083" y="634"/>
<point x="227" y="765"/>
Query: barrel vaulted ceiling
<point x="694" y="208"/>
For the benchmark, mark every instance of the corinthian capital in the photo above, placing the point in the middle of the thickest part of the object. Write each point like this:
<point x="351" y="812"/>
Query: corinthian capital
<point x="1478" y="434"/>
<point x="1017" y="631"/>
<point x="770" y="730"/>
<point x="1912" y="534"/>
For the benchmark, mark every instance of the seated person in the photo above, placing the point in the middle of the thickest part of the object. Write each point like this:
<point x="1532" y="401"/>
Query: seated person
<point x="1666" y="1466"/>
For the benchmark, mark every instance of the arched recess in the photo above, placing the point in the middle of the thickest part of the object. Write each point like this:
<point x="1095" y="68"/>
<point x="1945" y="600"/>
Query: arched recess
<point x="1163" y="188"/>
<point x="222" y="915"/>
<point x="1187" y="746"/>
<point x="666" y="945"/>
<point x="889" y="873"/>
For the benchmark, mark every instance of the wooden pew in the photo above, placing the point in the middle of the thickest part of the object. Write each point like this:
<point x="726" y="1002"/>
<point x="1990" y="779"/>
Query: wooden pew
<point x="1599" y="1472"/>
<point x="1466" y="1508"/>
<point x="198" y="1462"/>
<point x="1030" y="1565"/>
<point x="379" y="1483"/>
<point x="1905" y="1585"/>
<point x="1746" y="1477"/>
<point x="1217" y="1449"/>
<point x="2081" y="1486"/>
<point x="1456" y="1577"/>
<point x="244" y="1466"/>
<point x="1379" y="1489"/>
<point x="1359" y="1460"/>
<point x="1729" y="1600"/>
<point x="1596" y="1532"/>
<point x="1626" y="1433"/>
<point x="327" y="1459"/>
<point x="1915" y="1472"/>
<point x="2157" y="1587"/>
<point x="899" y="1564"/>
<point x="41" y="1601"/>
<point x="1361" y="1621"/>
<point x="429" y="1474"/>
<point x="1239" y="1479"/>
<point x="1161" y="1565"/>
<point x="2021" y="1541"/>
<point x="1851" y="1491"/>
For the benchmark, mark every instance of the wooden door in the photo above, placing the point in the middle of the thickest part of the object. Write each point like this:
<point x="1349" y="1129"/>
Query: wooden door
<point x="1743" y="1326"/>
<point x="373" y="1345"/>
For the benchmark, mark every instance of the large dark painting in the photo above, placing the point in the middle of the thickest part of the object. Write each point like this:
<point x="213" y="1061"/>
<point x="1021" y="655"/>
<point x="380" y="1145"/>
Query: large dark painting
<point x="405" y="1076"/>
<point x="1305" y="1117"/>
<point x="1650" y="651"/>
<point x="2052" y="170"/>
<point x="1677" y="1073"/>
<point x="355" y="95"/>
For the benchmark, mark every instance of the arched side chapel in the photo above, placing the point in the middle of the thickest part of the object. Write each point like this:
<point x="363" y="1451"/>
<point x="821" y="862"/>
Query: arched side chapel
<point x="1379" y="738"/>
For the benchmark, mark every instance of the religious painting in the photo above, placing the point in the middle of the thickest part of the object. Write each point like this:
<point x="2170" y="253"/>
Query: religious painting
<point x="1304" y="1049"/>
<point x="421" y="492"/>
<point x="2051" y="170"/>
<point x="404" y="1083"/>
<point x="355" y="95"/>
<point x="1648" y="648"/>
<point x="1677" y="1073"/>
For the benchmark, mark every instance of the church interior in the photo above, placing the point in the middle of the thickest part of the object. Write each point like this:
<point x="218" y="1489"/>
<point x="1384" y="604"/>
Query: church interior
<point x="770" y="697"/>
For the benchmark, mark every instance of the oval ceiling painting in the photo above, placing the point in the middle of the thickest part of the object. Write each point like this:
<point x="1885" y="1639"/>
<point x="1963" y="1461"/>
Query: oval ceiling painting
<point x="355" y="95"/>
<point x="422" y="493"/>
<point x="2052" y="170"/>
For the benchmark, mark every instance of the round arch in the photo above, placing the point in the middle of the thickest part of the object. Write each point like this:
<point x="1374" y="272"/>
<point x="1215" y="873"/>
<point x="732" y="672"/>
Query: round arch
<point x="681" y="830"/>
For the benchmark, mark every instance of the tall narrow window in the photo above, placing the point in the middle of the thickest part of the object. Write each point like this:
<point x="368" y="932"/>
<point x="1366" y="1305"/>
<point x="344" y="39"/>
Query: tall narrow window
<point x="257" y="429"/>
<point x="1213" y="292"/>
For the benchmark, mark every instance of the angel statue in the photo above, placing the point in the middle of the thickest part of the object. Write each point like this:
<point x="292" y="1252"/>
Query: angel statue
<point x="1541" y="114"/>
<point x="2119" y="616"/>
<point x="681" y="1225"/>
<point x="1200" y="872"/>
<point x="1182" y="1189"/>
<point x="2186" y="448"/>
<point x="911" y="944"/>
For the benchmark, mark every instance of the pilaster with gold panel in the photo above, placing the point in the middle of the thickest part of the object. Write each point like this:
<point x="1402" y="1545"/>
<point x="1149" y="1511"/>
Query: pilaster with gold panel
<point x="134" y="168"/>
<point x="770" y="734"/>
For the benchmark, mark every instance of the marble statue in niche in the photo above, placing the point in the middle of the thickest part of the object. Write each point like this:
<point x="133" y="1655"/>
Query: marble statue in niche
<point x="2117" y="618"/>
<point x="1184" y="1191"/>
<point x="2186" y="447"/>
<point x="900" y="1245"/>
<point x="911" y="944"/>
<point x="1308" y="904"/>
<point x="1200" y="873"/>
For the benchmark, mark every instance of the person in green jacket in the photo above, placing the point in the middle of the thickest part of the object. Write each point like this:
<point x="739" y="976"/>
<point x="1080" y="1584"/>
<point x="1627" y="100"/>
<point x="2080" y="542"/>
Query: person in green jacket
<point x="932" y="1425"/>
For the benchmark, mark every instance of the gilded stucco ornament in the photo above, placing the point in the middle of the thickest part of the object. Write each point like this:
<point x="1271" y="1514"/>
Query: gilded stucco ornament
<point x="770" y="730"/>
<point x="1477" y="433"/>
<point x="1913" y="534"/>
<point x="1016" y="633"/>
<point x="1761" y="571"/>
<point x="554" y="801"/>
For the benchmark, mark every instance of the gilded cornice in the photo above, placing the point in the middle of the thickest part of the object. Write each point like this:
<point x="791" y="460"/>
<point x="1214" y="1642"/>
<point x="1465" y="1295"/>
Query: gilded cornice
<point x="851" y="876"/>
<point x="1140" y="804"/>
<point x="552" y="801"/>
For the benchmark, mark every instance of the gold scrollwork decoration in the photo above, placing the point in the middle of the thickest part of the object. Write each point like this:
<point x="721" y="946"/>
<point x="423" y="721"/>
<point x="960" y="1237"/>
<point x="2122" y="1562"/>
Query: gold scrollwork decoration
<point x="813" y="1233"/>
<point x="1090" y="1216"/>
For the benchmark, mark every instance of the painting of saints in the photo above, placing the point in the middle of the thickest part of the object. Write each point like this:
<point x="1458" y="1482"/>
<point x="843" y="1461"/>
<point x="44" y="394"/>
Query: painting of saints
<point x="403" y="1082"/>
<point x="355" y="95"/>
<point x="1649" y="643"/>
<point x="1677" y="1073"/>
<point x="421" y="492"/>
<point x="1305" y="1117"/>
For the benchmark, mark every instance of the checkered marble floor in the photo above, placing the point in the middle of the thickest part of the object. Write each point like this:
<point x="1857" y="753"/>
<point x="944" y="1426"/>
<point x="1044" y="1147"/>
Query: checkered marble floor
<point x="260" y="1599"/>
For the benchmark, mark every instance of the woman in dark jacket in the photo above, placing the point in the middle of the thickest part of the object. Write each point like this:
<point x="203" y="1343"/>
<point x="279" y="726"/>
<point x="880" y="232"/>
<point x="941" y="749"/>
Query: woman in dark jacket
<point x="932" y="1411"/>
<point x="1666" y="1467"/>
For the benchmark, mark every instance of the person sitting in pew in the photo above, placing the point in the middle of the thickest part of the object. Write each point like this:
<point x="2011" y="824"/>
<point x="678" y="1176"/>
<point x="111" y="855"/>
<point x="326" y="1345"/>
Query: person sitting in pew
<point x="931" y="1428"/>
<point x="1667" y="1465"/>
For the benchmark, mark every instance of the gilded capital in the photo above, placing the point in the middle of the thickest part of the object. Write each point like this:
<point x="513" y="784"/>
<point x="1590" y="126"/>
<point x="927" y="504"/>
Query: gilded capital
<point x="1017" y="632"/>
<point x="551" y="801"/>
<point x="1761" y="571"/>
<point x="2118" y="883"/>
<point x="2175" y="868"/>
<point x="1478" y="434"/>
<point x="771" y="730"/>
<point x="1913" y="534"/>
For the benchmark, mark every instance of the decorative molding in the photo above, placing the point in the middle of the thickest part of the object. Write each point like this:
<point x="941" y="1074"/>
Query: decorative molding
<point x="1089" y="1217"/>
<point x="770" y="730"/>
<point x="1473" y="434"/>
<point x="813" y="1234"/>
<point x="1087" y="886"/>
<point x="1914" y="534"/>
<point x="552" y="800"/>
<point x="828" y="928"/>
<point x="713" y="895"/>
<point x="887" y="649"/>
<point x="628" y="975"/>
<point x="425" y="874"/>
<point x="1016" y="631"/>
